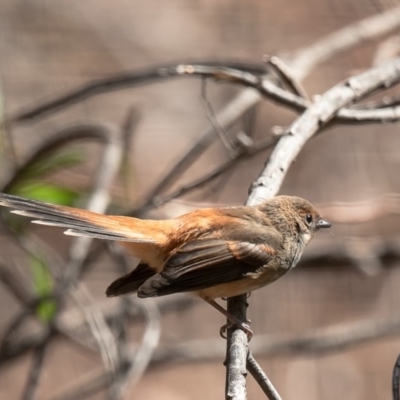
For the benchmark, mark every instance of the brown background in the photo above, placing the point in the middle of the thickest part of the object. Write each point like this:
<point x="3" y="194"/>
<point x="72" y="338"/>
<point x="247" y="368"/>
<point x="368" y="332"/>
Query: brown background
<point x="48" y="47"/>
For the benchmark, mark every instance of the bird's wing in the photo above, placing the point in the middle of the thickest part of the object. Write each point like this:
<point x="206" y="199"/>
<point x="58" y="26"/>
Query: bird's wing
<point x="131" y="282"/>
<point x="204" y="263"/>
<point x="78" y="222"/>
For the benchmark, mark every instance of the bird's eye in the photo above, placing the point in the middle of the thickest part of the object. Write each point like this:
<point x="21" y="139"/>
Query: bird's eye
<point x="309" y="219"/>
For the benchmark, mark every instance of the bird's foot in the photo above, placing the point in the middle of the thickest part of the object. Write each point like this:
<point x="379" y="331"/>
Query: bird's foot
<point x="244" y="326"/>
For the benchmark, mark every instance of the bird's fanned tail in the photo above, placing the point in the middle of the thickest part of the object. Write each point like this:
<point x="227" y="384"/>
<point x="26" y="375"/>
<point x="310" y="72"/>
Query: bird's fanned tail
<point x="78" y="222"/>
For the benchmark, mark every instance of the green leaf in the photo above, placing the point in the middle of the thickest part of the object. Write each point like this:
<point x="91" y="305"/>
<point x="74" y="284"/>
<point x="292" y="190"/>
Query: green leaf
<point x="43" y="286"/>
<point x="47" y="192"/>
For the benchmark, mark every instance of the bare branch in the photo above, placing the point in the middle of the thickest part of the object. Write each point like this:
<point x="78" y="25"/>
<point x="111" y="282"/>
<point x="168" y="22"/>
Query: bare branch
<point x="98" y="327"/>
<point x="256" y="148"/>
<point x="316" y="116"/>
<point x="236" y="353"/>
<point x="130" y="369"/>
<point x="379" y="115"/>
<point x="317" y="342"/>
<point x="261" y="378"/>
<point x="118" y="82"/>
<point x="56" y="141"/>
<point x="98" y="202"/>
<point x="286" y="75"/>
<point x="273" y="92"/>
<point x="313" y="119"/>
<point x="71" y="322"/>
<point x="12" y="327"/>
<point x="14" y="285"/>
<point x="36" y="369"/>
<point x="223" y="136"/>
<point x="143" y="355"/>
<point x="261" y="83"/>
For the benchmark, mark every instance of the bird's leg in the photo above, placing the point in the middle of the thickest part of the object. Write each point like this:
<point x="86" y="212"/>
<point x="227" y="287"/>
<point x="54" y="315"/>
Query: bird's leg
<point x="244" y="326"/>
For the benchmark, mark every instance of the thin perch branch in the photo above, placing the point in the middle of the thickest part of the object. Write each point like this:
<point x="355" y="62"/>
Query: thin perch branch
<point x="236" y="353"/>
<point x="261" y="378"/>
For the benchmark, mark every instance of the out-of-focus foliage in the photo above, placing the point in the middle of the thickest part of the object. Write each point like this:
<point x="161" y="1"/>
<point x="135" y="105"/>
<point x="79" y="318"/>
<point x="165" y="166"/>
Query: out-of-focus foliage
<point x="47" y="192"/>
<point x="51" y="163"/>
<point x="31" y="182"/>
<point x="43" y="286"/>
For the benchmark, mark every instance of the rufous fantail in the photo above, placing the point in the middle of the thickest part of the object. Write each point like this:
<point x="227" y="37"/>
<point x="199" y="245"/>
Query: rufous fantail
<point x="212" y="252"/>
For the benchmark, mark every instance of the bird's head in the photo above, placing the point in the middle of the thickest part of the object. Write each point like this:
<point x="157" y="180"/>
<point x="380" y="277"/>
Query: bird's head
<point x="294" y="215"/>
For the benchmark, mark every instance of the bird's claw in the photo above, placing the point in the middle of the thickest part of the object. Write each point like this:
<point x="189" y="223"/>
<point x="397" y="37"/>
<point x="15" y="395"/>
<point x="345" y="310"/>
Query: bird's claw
<point x="245" y="327"/>
<point x="223" y="330"/>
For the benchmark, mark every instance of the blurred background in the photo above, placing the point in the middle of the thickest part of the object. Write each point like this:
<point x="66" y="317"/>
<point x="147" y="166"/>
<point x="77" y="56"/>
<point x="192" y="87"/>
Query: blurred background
<point x="330" y="329"/>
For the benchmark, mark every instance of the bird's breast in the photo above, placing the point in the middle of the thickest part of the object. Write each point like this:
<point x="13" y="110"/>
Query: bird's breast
<point x="296" y="251"/>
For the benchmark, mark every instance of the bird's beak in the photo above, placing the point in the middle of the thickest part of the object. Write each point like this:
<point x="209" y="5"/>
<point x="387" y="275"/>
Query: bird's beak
<point x="323" y="224"/>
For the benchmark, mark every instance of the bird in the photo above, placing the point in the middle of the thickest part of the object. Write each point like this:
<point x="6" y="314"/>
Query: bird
<point x="216" y="252"/>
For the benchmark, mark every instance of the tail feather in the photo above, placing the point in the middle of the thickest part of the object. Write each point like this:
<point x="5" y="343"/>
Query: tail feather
<point x="77" y="222"/>
<point x="131" y="282"/>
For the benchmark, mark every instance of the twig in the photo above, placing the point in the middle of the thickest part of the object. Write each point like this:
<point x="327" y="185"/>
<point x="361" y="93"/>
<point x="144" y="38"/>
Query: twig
<point x="236" y="352"/>
<point x="36" y="368"/>
<point x="99" y="199"/>
<point x="226" y="118"/>
<point x="304" y="60"/>
<point x="13" y="326"/>
<point x="130" y="369"/>
<point x="56" y="141"/>
<point x="143" y="355"/>
<point x="365" y="116"/>
<point x="286" y="75"/>
<point x="332" y="339"/>
<point x="359" y="116"/>
<point x="189" y="157"/>
<point x="13" y="284"/>
<point x="79" y="248"/>
<point x="270" y="90"/>
<point x="69" y="323"/>
<point x="129" y="126"/>
<point x="118" y="325"/>
<point x="261" y="378"/>
<point x="208" y="177"/>
<point x="316" y="116"/>
<point x="99" y="328"/>
<point x="300" y="62"/>
<point x="118" y="82"/>
<point x="98" y="202"/>
<point x="248" y="100"/>
<point x="223" y="136"/>
<point x="7" y="142"/>
<point x="266" y="88"/>
<point x="262" y="84"/>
